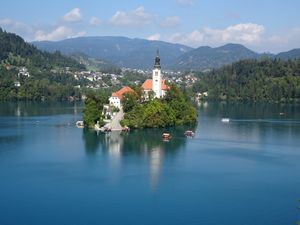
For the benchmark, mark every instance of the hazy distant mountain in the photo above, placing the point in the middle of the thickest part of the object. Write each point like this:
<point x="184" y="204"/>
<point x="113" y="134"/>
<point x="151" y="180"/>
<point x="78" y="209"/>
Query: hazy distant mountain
<point x="122" y="51"/>
<point x="207" y="57"/>
<point x="292" y="54"/>
<point x="94" y="64"/>
<point x="140" y="53"/>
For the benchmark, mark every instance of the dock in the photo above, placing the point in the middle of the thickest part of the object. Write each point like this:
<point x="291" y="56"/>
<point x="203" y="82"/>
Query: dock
<point x="113" y="124"/>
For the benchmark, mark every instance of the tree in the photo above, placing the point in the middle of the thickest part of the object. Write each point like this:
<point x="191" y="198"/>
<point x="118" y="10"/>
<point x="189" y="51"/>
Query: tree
<point x="129" y="100"/>
<point x="93" y="109"/>
<point x="175" y="109"/>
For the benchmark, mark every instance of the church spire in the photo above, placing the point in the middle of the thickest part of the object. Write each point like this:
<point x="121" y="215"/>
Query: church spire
<point x="157" y="60"/>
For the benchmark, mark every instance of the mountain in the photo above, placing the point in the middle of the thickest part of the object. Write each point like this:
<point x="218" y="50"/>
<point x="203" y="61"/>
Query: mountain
<point x="262" y="80"/>
<point x="206" y="57"/>
<point x="14" y="51"/>
<point x="94" y="64"/>
<point x="292" y="54"/>
<point x="122" y="51"/>
<point x="140" y="53"/>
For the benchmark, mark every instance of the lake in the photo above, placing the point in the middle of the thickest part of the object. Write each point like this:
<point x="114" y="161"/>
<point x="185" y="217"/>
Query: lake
<point x="245" y="172"/>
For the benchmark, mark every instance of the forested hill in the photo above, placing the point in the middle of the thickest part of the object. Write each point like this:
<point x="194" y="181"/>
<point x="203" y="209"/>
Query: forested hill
<point x="273" y="80"/>
<point x="122" y="51"/>
<point x="14" y="50"/>
<point x="31" y="74"/>
<point x="206" y="57"/>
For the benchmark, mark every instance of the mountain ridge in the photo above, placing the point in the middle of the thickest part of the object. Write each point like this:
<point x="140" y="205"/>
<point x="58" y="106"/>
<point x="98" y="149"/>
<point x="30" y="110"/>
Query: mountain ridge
<point x="139" y="53"/>
<point x="122" y="51"/>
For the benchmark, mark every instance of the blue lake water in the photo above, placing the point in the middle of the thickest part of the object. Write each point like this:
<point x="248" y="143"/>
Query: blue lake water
<point x="245" y="172"/>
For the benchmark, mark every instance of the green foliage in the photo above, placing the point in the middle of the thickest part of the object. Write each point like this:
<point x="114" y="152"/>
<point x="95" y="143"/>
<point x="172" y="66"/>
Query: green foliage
<point x="129" y="101"/>
<point x="93" y="109"/>
<point x="253" y="80"/>
<point x="174" y="110"/>
<point x="50" y="73"/>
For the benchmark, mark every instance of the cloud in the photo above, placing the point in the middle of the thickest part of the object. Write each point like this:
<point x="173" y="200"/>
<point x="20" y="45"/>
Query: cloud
<point x="283" y="42"/>
<point x="61" y="32"/>
<point x="73" y="16"/>
<point x="185" y="2"/>
<point x="171" y="21"/>
<point x="193" y="39"/>
<point x="15" y="27"/>
<point x="136" y="17"/>
<point x="242" y="33"/>
<point x="95" y="21"/>
<point x="248" y="33"/>
<point x="154" y="37"/>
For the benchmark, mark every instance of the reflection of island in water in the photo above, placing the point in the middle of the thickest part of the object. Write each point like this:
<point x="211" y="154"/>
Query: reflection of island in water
<point x="142" y="143"/>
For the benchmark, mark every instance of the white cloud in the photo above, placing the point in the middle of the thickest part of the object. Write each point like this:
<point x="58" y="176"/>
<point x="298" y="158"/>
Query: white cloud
<point x="192" y="39"/>
<point x="15" y="27"/>
<point x="73" y="16"/>
<point x="59" y="33"/>
<point x="171" y="21"/>
<point x="283" y="42"/>
<point x="136" y="17"/>
<point x="247" y="33"/>
<point x="185" y="2"/>
<point x="95" y="21"/>
<point x="154" y="37"/>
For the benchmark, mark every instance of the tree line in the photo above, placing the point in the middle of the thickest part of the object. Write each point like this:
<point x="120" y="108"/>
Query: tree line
<point x="271" y="80"/>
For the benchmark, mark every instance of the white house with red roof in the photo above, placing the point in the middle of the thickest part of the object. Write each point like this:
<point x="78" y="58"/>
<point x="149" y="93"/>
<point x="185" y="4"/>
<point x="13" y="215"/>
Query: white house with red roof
<point x="116" y="97"/>
<point x="156" y="84"/>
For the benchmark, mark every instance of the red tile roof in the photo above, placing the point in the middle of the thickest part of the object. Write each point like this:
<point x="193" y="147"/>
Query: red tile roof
<point x="147" y="85"/>
<point x="121" y="92"/>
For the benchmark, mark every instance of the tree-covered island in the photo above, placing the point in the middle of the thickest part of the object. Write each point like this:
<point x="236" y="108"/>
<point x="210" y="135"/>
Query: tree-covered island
<point x="174" y="109"/>
<point x="154" y="104"/>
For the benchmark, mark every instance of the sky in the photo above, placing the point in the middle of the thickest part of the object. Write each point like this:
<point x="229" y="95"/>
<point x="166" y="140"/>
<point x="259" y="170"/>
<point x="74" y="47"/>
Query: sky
<point x="261" y="25"/>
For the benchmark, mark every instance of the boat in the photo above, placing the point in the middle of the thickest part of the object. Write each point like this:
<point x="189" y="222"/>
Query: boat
<point x="166" y="136"/>
<point x="189" y="133"/>
<point x="126" y="129"/>
<point x="80" y="124"/>
<point x="225" y="120"/>
<point x="107" y="129"/>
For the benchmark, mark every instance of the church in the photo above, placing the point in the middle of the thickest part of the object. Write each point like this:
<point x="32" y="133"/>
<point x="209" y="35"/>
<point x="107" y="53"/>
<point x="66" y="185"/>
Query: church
<point x="157" y="83"/>
<point x="155" y="86"/>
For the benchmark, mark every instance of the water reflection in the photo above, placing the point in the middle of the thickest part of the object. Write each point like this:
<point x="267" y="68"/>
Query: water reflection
<point x="141" y="143"/>
<point x="20" y="109"/>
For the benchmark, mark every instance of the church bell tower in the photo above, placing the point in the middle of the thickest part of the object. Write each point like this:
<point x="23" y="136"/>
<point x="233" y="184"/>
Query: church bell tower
<point x="156" y="77"/>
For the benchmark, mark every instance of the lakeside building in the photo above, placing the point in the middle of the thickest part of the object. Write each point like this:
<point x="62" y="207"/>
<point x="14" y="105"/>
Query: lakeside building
<point x="116" y="97"/>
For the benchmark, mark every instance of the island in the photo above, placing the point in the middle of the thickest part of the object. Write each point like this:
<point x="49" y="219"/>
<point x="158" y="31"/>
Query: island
<point x="154" y="104"/>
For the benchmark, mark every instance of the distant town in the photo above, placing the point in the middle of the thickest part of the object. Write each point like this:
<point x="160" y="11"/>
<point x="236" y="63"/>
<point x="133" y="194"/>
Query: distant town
<point x="105" y="80"/>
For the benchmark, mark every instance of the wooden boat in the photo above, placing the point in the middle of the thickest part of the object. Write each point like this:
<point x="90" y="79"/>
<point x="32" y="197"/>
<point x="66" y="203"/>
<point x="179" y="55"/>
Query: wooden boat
<point x="126" y="129"/>
<point x="166" y="136"/>
<point x="189" y="133"/>
<point x="107" y="129"/>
